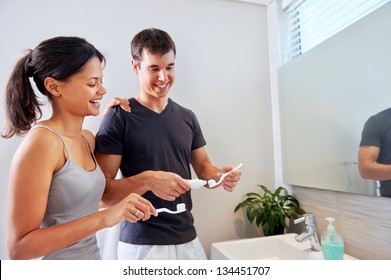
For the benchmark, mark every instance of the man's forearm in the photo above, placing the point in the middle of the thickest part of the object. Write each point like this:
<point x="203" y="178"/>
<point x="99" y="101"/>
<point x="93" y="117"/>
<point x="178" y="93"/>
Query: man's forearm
<point x="118" y="189"/>
<point x="375" y="171"/>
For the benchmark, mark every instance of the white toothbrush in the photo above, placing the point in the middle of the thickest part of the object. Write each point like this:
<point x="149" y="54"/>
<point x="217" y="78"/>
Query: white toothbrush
<point x="181" y="207"/>
<point x="212" y="183"/>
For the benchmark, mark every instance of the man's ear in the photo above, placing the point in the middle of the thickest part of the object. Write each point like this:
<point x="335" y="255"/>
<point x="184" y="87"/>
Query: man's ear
<point x="52" y="86"/>
<point x="135" y="67"/>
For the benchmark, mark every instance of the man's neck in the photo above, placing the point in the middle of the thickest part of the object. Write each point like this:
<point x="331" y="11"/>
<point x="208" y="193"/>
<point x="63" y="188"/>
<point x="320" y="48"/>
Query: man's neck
<point x="152" y="103"/>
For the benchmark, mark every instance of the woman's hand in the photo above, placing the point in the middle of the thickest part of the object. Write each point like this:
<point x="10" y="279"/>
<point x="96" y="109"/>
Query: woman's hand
<point x="115" y="101"/>
<point x="132" y="208"/>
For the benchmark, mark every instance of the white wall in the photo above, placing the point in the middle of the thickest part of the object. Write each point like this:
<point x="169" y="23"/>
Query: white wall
<point x="222" y="75"/>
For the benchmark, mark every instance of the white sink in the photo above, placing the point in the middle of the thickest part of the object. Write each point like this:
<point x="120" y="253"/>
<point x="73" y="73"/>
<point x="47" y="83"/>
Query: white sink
<point x="276" y="247"/>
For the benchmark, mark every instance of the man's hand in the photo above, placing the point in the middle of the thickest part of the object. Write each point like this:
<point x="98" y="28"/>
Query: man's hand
<point x="230" y="181"/>
<point x="167" y="185"/>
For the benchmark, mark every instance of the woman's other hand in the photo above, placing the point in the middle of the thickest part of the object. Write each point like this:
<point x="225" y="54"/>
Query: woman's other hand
<point x="115" y="101"/>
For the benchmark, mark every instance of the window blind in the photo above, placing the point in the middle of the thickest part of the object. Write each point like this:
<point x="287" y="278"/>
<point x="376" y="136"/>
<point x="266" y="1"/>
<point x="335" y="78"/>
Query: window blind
<point x="307" y="23"/>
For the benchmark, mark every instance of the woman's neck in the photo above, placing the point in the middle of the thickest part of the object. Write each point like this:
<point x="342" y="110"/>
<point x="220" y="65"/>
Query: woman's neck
<point x="69" y="126"/>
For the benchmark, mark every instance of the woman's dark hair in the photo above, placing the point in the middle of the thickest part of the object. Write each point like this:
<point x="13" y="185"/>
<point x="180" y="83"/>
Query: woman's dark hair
<point x="58" y="58"/>
<point x="153" y="40"/>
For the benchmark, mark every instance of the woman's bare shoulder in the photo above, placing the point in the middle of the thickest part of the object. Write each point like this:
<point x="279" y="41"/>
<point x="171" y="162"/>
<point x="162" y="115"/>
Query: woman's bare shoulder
<point x="42" y="140"/>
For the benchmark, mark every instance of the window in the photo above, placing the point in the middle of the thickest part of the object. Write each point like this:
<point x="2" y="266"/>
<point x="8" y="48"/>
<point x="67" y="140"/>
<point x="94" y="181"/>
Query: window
<point x="307" y="23"/>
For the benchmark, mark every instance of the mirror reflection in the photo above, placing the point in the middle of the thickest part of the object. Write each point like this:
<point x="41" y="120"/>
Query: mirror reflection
<point x="374" y="157"/>
<point x="326" y="97"/>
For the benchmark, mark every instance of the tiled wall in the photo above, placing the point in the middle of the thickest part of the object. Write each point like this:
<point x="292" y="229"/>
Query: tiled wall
<point x="363" y="221"/>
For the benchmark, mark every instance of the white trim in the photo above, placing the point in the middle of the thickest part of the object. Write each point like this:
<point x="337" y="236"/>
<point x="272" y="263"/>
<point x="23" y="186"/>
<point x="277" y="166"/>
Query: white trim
<point x="285" y="4"/>
<point x="259" y="2"/>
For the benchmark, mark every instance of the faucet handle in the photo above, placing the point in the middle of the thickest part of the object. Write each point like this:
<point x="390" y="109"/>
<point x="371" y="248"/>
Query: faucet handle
<point x="299" y="220"/>
<point x="309" y="218"/>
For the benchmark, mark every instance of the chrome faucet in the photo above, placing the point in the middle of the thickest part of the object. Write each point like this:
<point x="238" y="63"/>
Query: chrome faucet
<point x="311" y="232"/>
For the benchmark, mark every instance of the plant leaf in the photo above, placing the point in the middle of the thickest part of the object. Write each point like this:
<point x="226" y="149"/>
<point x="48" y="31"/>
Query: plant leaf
<point x="270" y="209"/>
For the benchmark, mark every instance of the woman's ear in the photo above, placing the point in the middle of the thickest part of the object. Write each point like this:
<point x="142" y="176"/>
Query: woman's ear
<point x="52" y="86"/>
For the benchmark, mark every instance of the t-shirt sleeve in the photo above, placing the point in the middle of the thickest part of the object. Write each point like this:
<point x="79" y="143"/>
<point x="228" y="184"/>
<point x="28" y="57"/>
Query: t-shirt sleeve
<point x="372" y="132"/>
<point x="109" y="138"/>
<point x="198" y="139"/>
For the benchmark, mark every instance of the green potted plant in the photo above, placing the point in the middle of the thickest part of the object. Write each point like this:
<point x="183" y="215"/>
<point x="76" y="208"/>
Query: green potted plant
<point x="270" y="209"/>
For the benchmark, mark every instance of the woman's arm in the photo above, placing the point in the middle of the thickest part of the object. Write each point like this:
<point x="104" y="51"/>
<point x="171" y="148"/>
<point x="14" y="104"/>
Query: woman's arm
<point x="39" y="156"/>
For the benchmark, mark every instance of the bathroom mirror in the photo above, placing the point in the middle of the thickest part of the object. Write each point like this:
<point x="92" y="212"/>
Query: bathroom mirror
<point x="326" y="96"/>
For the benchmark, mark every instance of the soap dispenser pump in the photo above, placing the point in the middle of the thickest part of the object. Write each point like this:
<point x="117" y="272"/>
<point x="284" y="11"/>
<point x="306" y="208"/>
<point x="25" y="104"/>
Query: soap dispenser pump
<point x="332" y="243"/>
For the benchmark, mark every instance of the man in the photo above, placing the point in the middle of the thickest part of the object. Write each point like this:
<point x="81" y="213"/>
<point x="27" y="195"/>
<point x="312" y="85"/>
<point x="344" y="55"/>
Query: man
<point x="153" y="147"/>
<point x="374" y="157"/>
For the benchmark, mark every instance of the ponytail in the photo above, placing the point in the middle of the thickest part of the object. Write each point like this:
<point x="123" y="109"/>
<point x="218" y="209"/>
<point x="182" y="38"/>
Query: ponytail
<point x="58" y="58"/>
<point x="22" y="106"/>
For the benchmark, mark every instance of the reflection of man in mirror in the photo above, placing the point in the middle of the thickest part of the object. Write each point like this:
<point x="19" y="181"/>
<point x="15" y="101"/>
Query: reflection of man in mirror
<point x="374" y="157"/>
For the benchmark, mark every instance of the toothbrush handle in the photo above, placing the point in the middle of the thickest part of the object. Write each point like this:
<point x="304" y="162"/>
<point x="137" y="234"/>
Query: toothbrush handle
<point x="223" y="176"/>
<point x="197" y="183"/>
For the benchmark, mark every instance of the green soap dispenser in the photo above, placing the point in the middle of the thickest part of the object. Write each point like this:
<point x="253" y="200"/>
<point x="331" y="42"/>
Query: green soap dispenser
<point x="332" y="243"/>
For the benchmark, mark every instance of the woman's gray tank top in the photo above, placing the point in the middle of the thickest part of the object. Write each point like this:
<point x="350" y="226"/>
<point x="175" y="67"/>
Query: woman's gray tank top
<point x="74" y="193"/>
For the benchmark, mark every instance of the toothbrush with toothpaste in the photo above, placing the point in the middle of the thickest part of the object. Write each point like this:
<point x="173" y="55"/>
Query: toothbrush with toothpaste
<point x="198" y="183"/>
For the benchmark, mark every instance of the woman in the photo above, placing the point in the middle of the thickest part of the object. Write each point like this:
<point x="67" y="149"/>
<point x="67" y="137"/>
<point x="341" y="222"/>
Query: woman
<point x="55" y="184"/>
